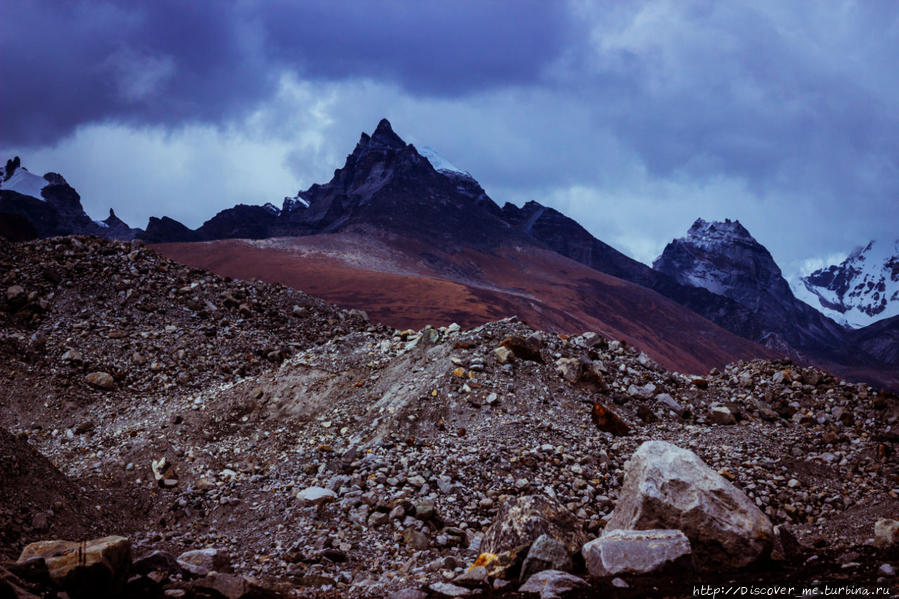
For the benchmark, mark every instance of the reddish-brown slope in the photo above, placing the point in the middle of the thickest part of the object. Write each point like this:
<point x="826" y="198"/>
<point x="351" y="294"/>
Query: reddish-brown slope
<point x="405" y="284"/>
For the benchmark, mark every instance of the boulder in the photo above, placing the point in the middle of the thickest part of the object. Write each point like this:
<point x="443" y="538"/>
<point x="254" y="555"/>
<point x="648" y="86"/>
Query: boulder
<point x="642" y="392"/>
<point x="100" y="380"/>
<point x="473" y="577"/>
<point x="503" y="355"/>
<point x="520" y="521"/>
<point x="635" y="552"/>
<point x="201" y="562"/>
<point x="886" y="533"/>
<point x="607" y="420"/>
<point x="415" y="539"/>
<point x="84" y="569"/>
<point x="546" y="553"/>
<point x="666" y="401"/>
<point x="570" y="369"/>
<point x="524" y="348"/>
<point x="315" y="496"/>
<point x="721" y="415"/>
<point x="552" y="584"/>
<point x="666" y="487"/>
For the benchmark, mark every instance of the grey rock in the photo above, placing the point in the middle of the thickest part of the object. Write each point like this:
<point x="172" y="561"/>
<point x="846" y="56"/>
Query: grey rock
<point x="721" y="415"/>
<point x="635" y="551"/>
<point x="315" y="496"/>
<point x="415" y="539"/>
<point x="520" y="521"/>
<point x="425" y="511"/>
<point x="546" y="553"/>
<point x="666" y="401"/>
<point x="201" y="562"/>
<point x="71" y="355"/>
<point x="472" y="577"/>
<point x="643" y="392"/>
<point x="666" y="487"/>
<point x="378" y="519"/>
<point x="449" y="590"/>
<point x="551" y="584"/>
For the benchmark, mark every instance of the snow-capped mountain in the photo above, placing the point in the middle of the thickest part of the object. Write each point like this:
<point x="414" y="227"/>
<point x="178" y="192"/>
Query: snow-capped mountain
<point x="725" y="259"/>
<point x="861" y="290"/>
<point x="15" y="177"/>
<point x="33" y="206"/>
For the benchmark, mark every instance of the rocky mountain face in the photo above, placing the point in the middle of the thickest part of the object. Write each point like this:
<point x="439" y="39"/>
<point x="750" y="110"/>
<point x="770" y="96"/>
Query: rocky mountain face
<point x="384" y="183"/>
<point x="554" y="230"/>
<point x="725" y="259"/>
<point x="861" y="290"/>
<point x="223" y="438"/>
<point x="33" y="206"/>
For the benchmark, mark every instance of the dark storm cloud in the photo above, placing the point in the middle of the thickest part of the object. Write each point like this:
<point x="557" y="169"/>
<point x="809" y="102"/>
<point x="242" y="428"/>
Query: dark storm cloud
<point x="63" y="64"/>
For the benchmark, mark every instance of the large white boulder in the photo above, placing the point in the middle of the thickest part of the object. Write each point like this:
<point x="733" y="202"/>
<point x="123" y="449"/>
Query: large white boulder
<point x="666" y="487"/>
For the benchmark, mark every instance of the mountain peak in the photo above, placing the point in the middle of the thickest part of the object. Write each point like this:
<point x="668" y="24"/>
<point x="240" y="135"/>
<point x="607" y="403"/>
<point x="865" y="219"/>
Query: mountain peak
<point x="718" y="231"/>
<point x="385" y="136"/>
<point x="724" y="258"/>
<point x="861" y="290"/>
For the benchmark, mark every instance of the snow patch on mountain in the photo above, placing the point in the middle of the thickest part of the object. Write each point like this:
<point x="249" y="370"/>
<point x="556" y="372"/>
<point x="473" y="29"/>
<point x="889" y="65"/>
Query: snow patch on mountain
<point x="291" y="204"/>
<point x="859" y="291"/>
<point x="440" y="163"/>
<point x="804" y="294"/>
<point x="26" y="183"/>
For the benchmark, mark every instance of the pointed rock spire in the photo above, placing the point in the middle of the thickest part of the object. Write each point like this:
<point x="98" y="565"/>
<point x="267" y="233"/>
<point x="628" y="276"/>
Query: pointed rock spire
<point x="384" y="135"/>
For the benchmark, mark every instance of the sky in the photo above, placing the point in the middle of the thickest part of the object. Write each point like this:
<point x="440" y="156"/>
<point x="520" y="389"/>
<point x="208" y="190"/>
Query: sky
<point x="634" y="118"/>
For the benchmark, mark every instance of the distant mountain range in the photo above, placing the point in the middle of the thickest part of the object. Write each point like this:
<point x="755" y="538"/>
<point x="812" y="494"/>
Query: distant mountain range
<point x="397" y="229"/>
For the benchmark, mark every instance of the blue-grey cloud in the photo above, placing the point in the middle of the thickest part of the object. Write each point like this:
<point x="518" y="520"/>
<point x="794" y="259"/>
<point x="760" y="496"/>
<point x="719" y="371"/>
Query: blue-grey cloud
<point x="170" y="62"/>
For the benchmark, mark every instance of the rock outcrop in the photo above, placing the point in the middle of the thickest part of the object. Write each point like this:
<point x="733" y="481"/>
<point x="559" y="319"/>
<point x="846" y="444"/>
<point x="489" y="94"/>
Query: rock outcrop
<point x="666" y="487"/>
<point x="98" y="567"/>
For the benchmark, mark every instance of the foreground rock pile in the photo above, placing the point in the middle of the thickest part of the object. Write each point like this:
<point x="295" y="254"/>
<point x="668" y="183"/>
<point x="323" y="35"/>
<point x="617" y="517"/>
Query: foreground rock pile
<point x="326" y="456"/>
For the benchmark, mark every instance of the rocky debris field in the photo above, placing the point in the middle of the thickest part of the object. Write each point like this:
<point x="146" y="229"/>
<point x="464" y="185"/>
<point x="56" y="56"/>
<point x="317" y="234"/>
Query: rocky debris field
<point x="216" y="438"/>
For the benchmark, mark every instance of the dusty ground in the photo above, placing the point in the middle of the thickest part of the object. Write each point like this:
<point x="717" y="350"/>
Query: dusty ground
<point x="253" y="400"/>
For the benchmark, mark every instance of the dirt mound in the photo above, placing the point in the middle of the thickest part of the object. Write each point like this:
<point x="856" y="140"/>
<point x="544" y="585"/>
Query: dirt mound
<point x="73" y="307"/>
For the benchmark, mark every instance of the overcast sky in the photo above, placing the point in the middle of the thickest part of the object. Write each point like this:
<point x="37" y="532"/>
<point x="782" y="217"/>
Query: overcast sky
<point x="634" y="118"/>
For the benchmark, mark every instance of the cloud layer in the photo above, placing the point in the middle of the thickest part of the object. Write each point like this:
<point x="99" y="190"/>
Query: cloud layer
<point x="634" y="118"/>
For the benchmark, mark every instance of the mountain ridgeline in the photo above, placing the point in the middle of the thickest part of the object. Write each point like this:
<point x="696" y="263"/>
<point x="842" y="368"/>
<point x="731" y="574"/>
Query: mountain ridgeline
<point x="718" y="270"/>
